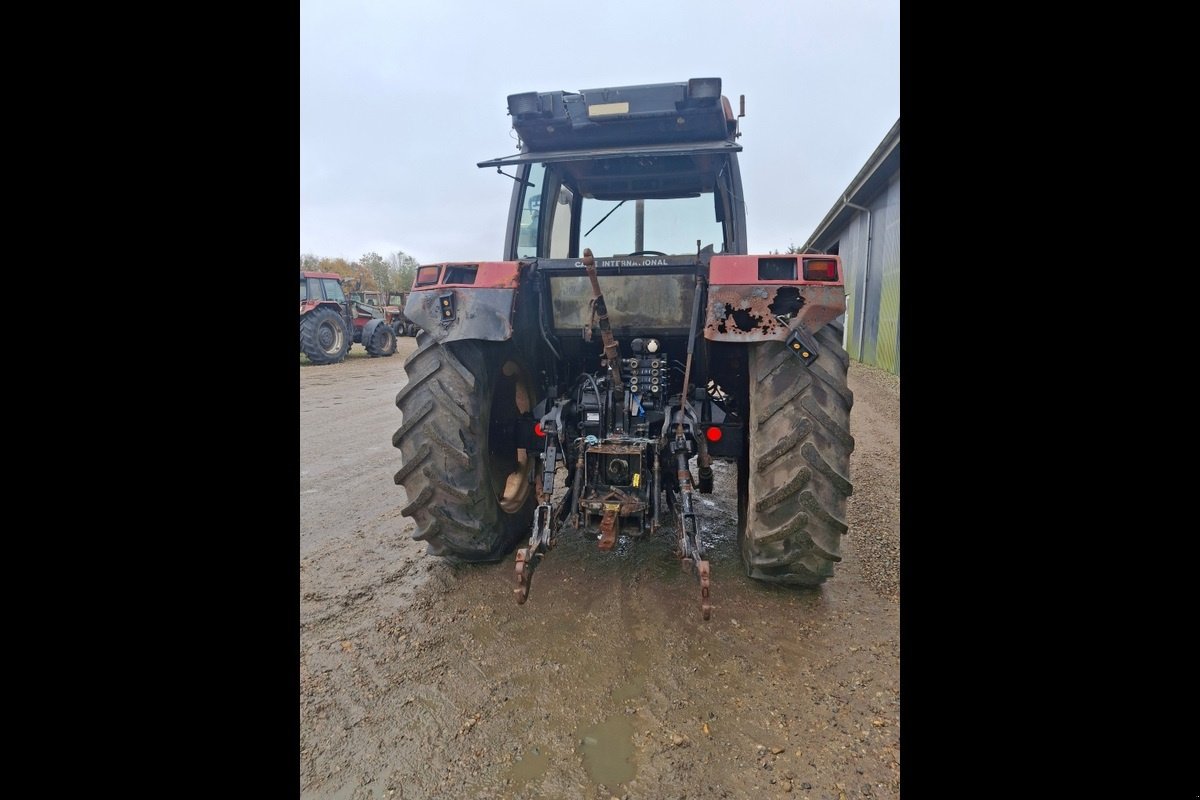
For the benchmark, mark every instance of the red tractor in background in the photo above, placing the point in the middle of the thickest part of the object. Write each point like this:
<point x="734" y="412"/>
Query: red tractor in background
<point x="394" y="313"/>
<point x="330" y="322"/>
<point x="391" y="308"/>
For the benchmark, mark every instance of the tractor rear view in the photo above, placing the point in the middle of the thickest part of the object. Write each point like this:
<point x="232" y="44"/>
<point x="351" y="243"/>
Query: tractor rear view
<point x="585" y="383"/>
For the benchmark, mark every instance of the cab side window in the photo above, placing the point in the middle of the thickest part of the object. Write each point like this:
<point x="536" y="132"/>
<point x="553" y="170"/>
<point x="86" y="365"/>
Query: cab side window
<point x="333" y="290"/>
<point x="531" y="212"/>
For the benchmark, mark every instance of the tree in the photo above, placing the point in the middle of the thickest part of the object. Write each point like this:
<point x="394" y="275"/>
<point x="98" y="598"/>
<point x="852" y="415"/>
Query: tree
<point x="792" y="250"/>
<point x="337" y="265"/>
<point x="403" y="271"/>
<point x="365" y="278"/>
<point x="351" y="270"/>
<point x="374" y="264"/>
<point x="374" y="273"/>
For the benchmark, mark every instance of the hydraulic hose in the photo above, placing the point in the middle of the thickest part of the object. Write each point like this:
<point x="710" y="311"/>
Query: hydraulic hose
<point x="611" y="351"/>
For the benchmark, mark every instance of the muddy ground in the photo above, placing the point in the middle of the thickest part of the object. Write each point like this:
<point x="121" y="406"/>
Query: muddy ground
<point x="423" y="679"/>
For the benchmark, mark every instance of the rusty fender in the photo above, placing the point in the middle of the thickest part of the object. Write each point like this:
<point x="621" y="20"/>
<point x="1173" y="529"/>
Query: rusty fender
<point x="451" y="309"/>
<point x="762" y="312"/>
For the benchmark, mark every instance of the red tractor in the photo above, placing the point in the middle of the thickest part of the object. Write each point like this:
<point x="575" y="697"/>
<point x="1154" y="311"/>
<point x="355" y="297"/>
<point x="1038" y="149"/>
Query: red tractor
<point x="625" y="340"/>
<point x="330" y="321"/>
<point x="401" y="324"/>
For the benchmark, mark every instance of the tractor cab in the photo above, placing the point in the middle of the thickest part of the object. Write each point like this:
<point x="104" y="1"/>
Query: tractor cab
<point x="646" y="170"/>
<point x="320" y="287"/>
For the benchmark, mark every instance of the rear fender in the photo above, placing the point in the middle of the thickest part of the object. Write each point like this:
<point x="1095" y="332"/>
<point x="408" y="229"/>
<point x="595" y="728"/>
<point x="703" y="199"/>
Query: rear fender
<point x="457" y="301"/>
<point x="308" y="306"/>
<point x="368" y="331"/>
<point x="743" y="306"/>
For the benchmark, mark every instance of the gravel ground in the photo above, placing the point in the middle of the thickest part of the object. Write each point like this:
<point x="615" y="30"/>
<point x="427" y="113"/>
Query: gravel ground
<point x="424" y="679"/>
<point x="875" y="473"/>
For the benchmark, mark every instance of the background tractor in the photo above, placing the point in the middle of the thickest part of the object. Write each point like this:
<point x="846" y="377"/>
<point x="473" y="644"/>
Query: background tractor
<point x="330" y="322"/>
<point x="401" y="324"/>
<point x="390" y="306"/>
<point x="588" y="379"/>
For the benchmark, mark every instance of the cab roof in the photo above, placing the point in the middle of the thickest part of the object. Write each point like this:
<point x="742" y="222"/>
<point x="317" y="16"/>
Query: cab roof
<point x="623" y="116"/>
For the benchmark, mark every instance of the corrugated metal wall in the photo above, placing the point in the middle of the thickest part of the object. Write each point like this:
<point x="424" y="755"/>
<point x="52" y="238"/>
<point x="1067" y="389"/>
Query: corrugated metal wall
<point x="887" y="347"/>
<point x="879" y="341"/>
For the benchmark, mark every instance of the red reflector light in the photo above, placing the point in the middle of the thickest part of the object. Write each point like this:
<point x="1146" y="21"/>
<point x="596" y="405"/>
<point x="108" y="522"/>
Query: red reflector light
<point x="537" y="428"/>
<point x="427" y="275"/>
<point x="822" y="270"/>
<point x="713" y="434"/>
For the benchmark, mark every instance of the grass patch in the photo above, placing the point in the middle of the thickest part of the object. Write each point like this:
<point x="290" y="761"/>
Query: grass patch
<point x="355" y="351"/>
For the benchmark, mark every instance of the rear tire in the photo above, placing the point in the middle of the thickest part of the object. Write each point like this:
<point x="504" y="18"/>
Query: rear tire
<point x="793" y="482"/>
<point x="468" y="485"/>
<point x="379" y="339"/>
<point x="323" y="336"/>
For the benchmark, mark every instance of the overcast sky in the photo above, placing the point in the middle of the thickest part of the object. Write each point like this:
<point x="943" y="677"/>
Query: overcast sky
<point x="400" y="99"/>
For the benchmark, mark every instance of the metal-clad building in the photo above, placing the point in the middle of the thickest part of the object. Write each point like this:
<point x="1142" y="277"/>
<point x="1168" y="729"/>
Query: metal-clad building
<point x="863" y="227"/>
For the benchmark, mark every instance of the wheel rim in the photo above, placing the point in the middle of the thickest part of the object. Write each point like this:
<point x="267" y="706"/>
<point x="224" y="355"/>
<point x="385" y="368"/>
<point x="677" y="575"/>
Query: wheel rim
<point x="511" y="465"/>
<point x="329" y="337"/>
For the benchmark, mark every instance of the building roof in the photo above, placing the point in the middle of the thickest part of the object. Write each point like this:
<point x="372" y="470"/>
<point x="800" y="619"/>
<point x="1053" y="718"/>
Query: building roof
<point x="870" y="181"/>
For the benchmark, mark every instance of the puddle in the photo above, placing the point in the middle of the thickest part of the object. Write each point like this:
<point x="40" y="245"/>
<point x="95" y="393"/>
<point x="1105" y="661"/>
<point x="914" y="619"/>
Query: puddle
<point x="533" y="765"/>
<point x="607" y="750"/>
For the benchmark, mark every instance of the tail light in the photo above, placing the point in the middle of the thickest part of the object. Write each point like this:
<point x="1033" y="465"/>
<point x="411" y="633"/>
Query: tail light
<point x="524" y="105"/>
<point x="820" y="269"/>
<point x="703" y="91"/>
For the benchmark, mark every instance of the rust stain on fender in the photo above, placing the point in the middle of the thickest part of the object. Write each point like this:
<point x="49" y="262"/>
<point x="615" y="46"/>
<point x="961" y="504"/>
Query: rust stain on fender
<point x="758" y="312"/>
